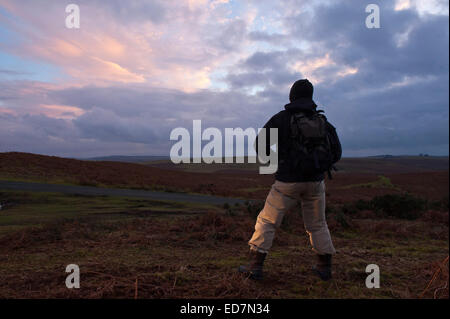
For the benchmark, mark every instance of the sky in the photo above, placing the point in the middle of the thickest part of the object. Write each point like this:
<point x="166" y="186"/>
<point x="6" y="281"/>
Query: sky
<point x="135" y="70"/>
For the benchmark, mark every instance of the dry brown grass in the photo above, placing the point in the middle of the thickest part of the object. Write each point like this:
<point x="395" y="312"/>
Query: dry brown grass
<point x="437" y="287"/>
<point x="197" y="256"/>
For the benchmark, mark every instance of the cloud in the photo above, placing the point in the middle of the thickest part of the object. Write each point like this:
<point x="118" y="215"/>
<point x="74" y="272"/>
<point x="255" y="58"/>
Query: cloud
<point x="165" y="44"/>
<point x="12" y="72"/>
<point x="137" y="118"/>
<point x="271" y="38"/>
<point x="136" y="70"/>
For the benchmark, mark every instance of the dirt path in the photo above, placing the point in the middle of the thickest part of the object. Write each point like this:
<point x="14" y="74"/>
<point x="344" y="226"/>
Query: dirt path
<point x="97" y="191"/>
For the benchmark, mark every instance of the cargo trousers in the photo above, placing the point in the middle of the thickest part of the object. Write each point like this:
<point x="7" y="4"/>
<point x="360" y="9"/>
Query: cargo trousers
<point x="284" y="196"/>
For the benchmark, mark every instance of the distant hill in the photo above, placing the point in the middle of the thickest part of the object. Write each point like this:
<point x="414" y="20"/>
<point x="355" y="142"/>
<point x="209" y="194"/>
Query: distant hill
<point x="420" y="175"/>
<point x="15" y="166"/>
<point x="381" y="164"/>
<point x="127" y="159"/>
<point x="394" y="164"/>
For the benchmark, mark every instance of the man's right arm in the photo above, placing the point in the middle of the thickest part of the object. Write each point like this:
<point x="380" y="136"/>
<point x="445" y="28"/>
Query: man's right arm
<point x="270" y="124"/>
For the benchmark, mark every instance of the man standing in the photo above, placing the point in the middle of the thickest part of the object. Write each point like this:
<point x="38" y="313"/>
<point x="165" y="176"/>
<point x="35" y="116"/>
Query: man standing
<point x="308" y="147"/>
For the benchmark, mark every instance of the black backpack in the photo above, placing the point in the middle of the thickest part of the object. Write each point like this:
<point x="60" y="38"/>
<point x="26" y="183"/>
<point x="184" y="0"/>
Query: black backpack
<point x="314" y="146"/>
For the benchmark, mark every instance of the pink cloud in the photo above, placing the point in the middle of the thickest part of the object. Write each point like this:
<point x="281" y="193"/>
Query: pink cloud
<point x="61" y="111"/>
<point x="177" y="54"/>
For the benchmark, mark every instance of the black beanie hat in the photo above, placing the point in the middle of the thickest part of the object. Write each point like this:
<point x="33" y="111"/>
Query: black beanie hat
<point x="301" y="89"/>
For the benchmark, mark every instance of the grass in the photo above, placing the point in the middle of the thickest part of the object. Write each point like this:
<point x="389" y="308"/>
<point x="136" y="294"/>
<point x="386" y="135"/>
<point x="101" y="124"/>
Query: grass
<point x="401" y="206"/>
<point x="253" y="189"/>
<point x="85" y="182"/>
<point x="381" y="182"/>
<point x="178" y="250"/>
<point x="35" y="209"/>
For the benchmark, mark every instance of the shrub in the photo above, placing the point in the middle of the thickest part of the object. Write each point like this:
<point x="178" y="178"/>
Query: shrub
<point x="363" y="205"/>
<point x="342" y="219"/>
<point x="404" y="206"/>
<point x="349" y="209"/>
<point x="329" y="210"/>
<point x="441" y="205"/>
<point x="232" y="211"/>
<point x="253" y="208"/>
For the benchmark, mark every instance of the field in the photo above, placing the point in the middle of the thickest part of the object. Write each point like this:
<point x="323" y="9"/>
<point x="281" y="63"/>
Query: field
<point x="396" y="218"/>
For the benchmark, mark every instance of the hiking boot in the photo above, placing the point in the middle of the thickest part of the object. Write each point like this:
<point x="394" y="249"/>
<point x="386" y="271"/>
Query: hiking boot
<point x="323" y="267"/>
<point x="254" y="269"/>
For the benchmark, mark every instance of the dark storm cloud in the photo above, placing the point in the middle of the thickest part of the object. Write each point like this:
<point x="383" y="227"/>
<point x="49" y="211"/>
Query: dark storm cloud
<point x="136" y="119"/>
<point x="398" y="99"/>
<point x="266" y="69"/>
<point x="375" y="51"/>
<point x="163" y="108"/>
<point x="26" y="134"/>
<point x="261" y="61"/>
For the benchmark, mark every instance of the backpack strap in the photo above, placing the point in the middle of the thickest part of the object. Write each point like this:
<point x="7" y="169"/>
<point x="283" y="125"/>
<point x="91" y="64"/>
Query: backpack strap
<point x="295" y="137"/>
<point x="294" y="131"/>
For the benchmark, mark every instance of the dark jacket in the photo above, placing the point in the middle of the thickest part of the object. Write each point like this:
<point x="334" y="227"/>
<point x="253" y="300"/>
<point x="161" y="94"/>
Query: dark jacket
<point x="286" y="171"/>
